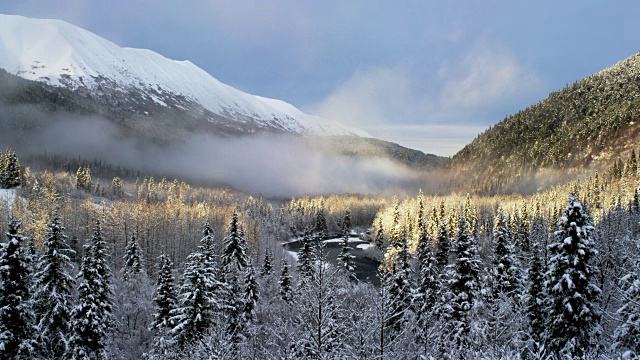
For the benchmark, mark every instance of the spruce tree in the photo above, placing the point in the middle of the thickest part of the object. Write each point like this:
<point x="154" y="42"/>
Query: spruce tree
<point x="400" y="286"/>
<point x="234" y="257"/>
<point x="463" y="287"/>
<point x="285" y="281"/>
<point x="133" y="265"/>
<point x="535" y="304"/>
<point x="345" y="257"/>
<point x="17" y="320"/>
<point x="2" y="170"/>
<point x="321" y="222"/>
<point x="267" y="266"/>
<point x="165" y="299"/>
<point x="11" y="170"/>
<point x="197" y="303"/>
<point x="444" y="246"/>
<point x="573" y="316"/>
<point x="506" y="273"/>
<point x="306" y="258"/>
<point x="427" y="286"/>
<point x="53" y="288"/>
<point x="93" y="314"/>
<point x="251" y="293"/>
<point x="379" y="241"/>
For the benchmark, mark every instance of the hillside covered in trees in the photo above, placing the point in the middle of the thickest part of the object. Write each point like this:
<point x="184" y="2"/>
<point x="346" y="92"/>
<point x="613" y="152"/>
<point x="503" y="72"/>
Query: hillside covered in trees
<point x="586" y="125"/>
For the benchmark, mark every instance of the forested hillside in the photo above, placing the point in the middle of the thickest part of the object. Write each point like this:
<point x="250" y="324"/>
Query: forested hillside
<point x="588" y="124"/>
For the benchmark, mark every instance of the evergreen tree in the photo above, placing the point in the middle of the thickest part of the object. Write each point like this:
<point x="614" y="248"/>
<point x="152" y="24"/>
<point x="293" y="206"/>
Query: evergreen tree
<point x="627" y="334"/>
<point x="400" y="287"/>
<point x="53" y="287"/>
<point x="444" y="246"/>
<point x="267" y="266"/>
<point x="11" y="170"/>
<point x="345" y="258"/>
<point x="463" y="286"/>
<point x="427" y="286"/>
<point x="93" y="314"/>
<point x="234" y="257"/>
<point x="379" y="235"/>
<point x="197" y="303"/>
<point x="321" y="222"/>
<point x="132" y="260"/>
<point x="573" y="315"/>
<point x="286" y="291"/>
<point x="306" y="258"/>
<point x="251" y="293"/>
<point x="506" y="273"/>
<point x="165" y="298"/>
<point x="535" y="304"/>
<point x="17" y="320"/>
<point x="346" y="223"/>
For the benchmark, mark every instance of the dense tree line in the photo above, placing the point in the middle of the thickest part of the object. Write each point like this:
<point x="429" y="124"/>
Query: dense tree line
<point x="172" y="271"/>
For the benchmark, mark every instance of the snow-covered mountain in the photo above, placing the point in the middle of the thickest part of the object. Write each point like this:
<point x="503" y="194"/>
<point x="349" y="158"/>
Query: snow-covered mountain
<point x="63" y="55"/>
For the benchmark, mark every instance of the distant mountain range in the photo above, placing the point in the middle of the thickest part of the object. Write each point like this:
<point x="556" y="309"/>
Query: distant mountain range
<point x="144" y="82"/>
<point x="54" y="67"/>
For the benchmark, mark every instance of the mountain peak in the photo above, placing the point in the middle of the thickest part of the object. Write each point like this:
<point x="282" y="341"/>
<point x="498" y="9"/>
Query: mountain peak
<point x="64" y="55"/>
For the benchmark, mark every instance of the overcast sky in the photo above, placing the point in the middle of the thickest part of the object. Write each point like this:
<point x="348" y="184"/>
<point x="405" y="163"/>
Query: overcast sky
<point x="429" y="75"/>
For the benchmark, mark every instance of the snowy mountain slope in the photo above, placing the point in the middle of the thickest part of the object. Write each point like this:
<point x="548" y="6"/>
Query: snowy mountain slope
<point x="63" y="55"/>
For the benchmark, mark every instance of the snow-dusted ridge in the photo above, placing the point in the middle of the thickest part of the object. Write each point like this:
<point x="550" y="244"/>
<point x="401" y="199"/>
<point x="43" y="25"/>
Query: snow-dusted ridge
<point x="61" y="54"/>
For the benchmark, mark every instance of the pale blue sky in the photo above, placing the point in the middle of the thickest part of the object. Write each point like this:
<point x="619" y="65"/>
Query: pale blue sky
<point x="426" y="74"/>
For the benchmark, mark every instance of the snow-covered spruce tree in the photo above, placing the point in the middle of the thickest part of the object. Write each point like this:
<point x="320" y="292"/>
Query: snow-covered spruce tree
<point x="463" y="288"/>
<point x="627" y="334"/>
<point x="306" y="258"/>
<point x="346" y="222"/>
<point x="572" y="322"/>
<point x="535" y="300"/>
<point x="133" y="265"/>
<point x="234" y="263"/>
<point x="506" y="275"/>
<point x="400" y="285"/>
<point x="132" y="336"/>
<point x="267" y="264"/>
<point x="234" y="257"/>
<point x="380" y="241"/>
<point x="285" y="281"/>
<point x="197" y="303"/>
<point x="427" y="286"/>
<point x="321" y="222"/>
<point x="93" y="313"/>
<point x="251" y="294"/>
<point x="165" y="298"/>
<point x="52" y="289"/>
<point x="345" y="257"/>
<point x="444" y="246"/>
<point x="12" y="173"/>
<point x="17" y="320"/>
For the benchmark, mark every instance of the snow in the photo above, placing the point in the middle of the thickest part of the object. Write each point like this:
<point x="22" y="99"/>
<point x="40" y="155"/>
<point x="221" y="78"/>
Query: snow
<point x="340" y="240"/>
<point x="60" y="54"/>
<point x="8" y="196"/>
<point x="365" y="246"/>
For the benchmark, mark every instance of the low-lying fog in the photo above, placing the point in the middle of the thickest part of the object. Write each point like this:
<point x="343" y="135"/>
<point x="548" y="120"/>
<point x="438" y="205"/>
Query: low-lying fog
<point x="280" y="166"/>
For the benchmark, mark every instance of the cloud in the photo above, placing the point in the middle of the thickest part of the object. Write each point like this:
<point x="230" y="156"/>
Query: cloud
<point x="485" y="76"/>
<point x="485" y="83"/>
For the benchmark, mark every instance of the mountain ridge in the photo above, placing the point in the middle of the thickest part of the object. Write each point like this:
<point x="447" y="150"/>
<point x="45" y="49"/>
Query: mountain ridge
<point x="60" y="54"/>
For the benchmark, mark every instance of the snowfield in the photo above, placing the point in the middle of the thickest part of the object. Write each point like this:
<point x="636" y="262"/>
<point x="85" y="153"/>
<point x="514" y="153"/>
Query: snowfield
<point x="61" y="54"/>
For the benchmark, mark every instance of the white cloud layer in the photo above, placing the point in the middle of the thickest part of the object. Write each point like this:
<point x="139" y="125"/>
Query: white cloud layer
<point x="393" y="104"/>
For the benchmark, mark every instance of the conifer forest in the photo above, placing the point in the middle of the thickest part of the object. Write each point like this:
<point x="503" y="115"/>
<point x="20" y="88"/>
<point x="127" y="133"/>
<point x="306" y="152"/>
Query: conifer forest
<point x="159" y="269"/>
